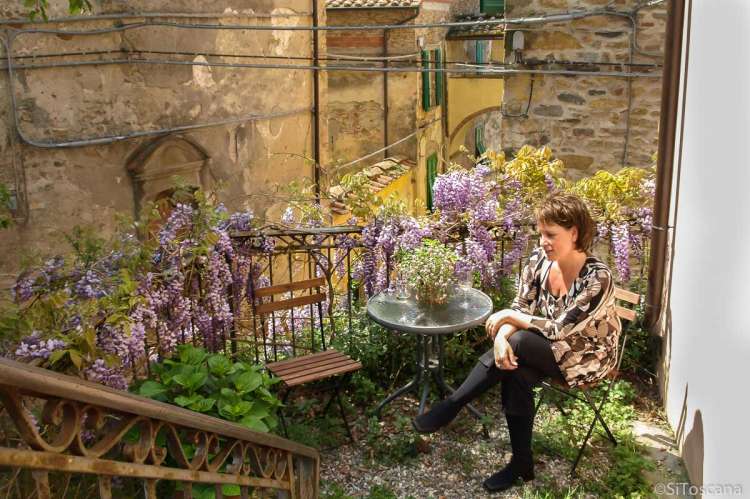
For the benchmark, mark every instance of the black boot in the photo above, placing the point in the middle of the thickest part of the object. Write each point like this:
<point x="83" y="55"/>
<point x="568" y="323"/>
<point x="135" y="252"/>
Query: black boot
<point x="438" y="416"/>
<point x="480" y="379"/>
<point x="521" y="465"/>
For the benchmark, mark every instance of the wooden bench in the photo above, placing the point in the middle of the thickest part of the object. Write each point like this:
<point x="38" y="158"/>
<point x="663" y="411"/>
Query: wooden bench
<point x="326" y="364"/>
<point x="583" y="392"/>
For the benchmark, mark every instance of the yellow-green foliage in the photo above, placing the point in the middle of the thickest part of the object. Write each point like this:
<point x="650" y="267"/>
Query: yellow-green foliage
<point x="360" y="199"/>
<point x="533" y="168"/>
<point x="611" y="195"/>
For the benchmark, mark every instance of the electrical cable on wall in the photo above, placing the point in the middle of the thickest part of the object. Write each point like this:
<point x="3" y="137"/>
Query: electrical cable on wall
<point x="547" y="18"/>
<point x="398" y="59"/>
<point x="525" y="113"/>
<point x="399" y="141"/>
<point x="469" y="68"/>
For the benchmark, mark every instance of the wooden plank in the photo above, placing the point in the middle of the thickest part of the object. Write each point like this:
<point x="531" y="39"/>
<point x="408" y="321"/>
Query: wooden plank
<point x="341" y="370"/>
<point x="308" y="368"/>
<point x="36" y="381"/>
<point x="317" y="370"/>
<point x="267" y="308"/>
<point x="625" y="313"/>
<point x="290" y="286"/>
<point x="294" y="370"/>
<point x="628" y="296"/>
<point x="309" y="361"/>
<point x="293" y="360"/>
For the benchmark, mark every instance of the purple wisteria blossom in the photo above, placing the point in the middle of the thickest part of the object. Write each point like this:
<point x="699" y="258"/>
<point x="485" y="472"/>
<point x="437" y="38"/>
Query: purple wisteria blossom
<point x="100" y="372"/>
<point x="621" y="248"/>
<point x="35" y="347"/>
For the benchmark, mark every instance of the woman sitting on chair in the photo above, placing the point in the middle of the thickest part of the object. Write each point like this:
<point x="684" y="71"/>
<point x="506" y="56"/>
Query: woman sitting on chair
<point x="561" y="325"/>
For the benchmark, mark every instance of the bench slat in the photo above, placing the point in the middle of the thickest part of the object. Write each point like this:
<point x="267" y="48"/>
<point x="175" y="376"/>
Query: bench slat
<point x="290" y="286"/>
<point x="628" y="296"/>
<point x="267" y="308"/>
<point x="304" y="358"/>
<point x="304" y="365"/>
<point x="318" y="376"/>
<point x="317" y="369"/>
<point x="309" y="368"/>
<point x="625" y="313"/>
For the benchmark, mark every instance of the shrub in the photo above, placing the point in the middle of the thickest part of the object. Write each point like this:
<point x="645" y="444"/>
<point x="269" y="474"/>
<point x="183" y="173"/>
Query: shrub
<point x="212" y="384"/>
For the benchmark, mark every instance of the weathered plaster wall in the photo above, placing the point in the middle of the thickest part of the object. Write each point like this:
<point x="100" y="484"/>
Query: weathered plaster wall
<point x="356" y="110"/>
<point x="89" y="185"/>
<point x="356" y="98"/>
<point x="584" y="119"/>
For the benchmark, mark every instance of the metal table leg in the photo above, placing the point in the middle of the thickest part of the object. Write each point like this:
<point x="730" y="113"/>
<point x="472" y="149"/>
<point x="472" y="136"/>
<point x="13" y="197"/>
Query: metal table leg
<point x="422" y="373"/>
<point x="430" y="359"/>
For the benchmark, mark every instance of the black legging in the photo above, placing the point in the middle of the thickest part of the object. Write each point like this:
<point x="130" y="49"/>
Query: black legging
<point x="535" y="363"/>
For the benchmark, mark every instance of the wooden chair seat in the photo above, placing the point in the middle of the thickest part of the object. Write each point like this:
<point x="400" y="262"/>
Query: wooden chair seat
<point x="313" y="367"/>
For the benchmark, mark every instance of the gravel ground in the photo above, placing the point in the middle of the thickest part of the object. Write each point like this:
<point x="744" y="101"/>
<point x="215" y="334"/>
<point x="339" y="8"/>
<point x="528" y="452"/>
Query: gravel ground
<point x="452" y="463"/>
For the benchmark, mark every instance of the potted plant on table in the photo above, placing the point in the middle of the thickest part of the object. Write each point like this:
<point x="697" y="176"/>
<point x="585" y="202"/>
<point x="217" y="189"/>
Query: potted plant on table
<point x="429" y="270"/>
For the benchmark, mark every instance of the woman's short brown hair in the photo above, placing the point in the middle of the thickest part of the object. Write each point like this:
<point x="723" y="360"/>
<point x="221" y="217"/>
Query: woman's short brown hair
<point x="568" y="210"/>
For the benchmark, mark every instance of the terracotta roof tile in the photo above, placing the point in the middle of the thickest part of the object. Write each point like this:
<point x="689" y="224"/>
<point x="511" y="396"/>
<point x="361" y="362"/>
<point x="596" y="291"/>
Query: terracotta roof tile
<point x="371" y="4"/>
<point x="476" y="30"/>
<point x="380" y="175"/>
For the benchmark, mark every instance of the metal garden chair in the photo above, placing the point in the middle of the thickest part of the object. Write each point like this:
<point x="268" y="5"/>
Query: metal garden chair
<point x="583" y="392"/>
<point x="328" y="364"/>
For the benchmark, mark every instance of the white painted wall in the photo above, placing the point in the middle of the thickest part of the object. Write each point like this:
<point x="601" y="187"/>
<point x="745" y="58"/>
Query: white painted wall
<point x="710" y="291"/>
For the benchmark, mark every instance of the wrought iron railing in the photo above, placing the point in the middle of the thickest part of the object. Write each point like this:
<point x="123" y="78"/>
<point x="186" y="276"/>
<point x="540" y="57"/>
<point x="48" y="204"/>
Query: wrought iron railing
<point x="333" y="253"/>
<point x="85" y="428"/>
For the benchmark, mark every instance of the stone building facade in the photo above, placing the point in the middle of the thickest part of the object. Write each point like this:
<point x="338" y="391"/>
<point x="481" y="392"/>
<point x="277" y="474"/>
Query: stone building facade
<point x="99" y="138"/>
<point x="359" y="121"/>
<point x="590" y="122"/>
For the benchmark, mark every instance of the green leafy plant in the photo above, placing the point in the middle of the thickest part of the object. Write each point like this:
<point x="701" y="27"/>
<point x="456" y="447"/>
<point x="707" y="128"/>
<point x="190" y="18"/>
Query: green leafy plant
<point x="430" y="270"/>
<point x="212" y="384"/>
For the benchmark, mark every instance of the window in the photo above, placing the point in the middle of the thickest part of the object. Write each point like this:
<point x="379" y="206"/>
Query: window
<point x="479" y="147"/>
<point x="492" y="6"/>
<point x="432" y="162"/>
<point x="425" y="81"/>
<point x="432" y="94"/>
<point x="438" y="64"/>
<point x="482" y="50"/>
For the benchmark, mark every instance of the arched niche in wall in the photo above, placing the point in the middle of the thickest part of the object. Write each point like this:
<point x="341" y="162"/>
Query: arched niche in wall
<point x="159" y="166"/>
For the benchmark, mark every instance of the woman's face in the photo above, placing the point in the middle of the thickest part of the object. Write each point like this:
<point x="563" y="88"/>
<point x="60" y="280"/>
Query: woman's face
<point x="557" y="241"/>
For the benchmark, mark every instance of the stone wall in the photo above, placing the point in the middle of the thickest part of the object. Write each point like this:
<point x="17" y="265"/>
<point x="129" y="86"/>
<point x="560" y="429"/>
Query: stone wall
<point x="590" y="122"/>
<point x="88" y="185"/>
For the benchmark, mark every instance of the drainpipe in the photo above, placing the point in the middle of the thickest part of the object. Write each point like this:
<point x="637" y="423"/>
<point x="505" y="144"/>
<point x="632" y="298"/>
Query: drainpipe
<point x="316" y="103"/>
<point x="665" y="166"/>
<point x="386" y="37"/>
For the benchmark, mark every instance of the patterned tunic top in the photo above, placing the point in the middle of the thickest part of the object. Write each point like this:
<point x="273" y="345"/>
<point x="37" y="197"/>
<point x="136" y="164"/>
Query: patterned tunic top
<point x="583" y="325"/>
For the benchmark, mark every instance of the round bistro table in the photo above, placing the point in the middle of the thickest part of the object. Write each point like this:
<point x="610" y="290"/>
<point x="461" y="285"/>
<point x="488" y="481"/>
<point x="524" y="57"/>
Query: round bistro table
<point x="465" y="309"/>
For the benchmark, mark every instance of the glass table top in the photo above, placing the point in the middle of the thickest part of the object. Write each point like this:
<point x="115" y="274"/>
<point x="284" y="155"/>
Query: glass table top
<point x="464" y="310"/>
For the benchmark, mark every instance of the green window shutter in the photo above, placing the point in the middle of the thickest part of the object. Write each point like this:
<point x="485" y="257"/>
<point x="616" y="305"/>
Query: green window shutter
<point x="425" y="81"/>
<point x="479" y="141"/>
<point x="437" y="57"/>
<point x="492" y="6"/>
<point x="432" y="162"/>
<point x="479" y="55"/>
